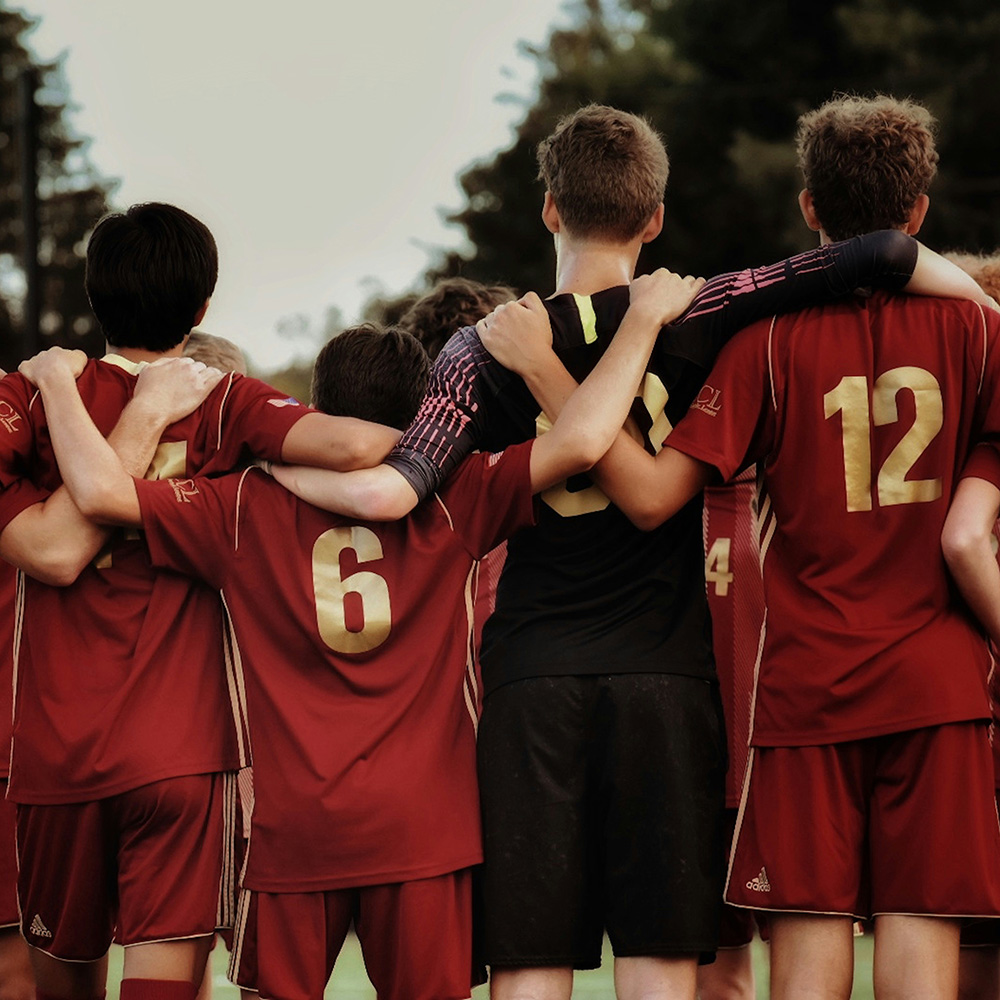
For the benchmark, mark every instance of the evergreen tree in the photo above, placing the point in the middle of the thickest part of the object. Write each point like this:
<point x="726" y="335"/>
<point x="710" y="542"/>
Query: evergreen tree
<point x="72" y="197"/>
<point x="724" y="82"/>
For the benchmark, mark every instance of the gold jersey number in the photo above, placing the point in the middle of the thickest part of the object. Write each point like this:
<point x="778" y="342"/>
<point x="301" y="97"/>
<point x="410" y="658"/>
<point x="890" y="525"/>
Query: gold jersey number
<point x="332" y="590"/>
<point x="850" y="398"/>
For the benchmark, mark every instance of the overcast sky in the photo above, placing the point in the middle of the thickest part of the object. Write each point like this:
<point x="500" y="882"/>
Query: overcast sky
<point x="319" y="139"/>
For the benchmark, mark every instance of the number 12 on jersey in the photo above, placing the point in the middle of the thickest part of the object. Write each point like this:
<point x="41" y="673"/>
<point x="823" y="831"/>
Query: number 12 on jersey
<point x="850" y="398"/>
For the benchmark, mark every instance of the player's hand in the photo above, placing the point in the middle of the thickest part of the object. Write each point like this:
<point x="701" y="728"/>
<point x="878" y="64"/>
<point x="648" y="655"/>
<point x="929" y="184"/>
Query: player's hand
<point x="51" y="363"/>
<point x="518" y="334"/>
<point x="663" y="295"/>
<point x="174" y="387"/>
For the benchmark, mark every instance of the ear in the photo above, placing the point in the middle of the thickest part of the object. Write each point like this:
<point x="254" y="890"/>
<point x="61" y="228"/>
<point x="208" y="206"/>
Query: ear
<point x="917" y="215"/>
<point x="550" y="214"/>
<point x="808" y="210"/>
<point x="200" y="314"/>
<point x="655" y="225"/>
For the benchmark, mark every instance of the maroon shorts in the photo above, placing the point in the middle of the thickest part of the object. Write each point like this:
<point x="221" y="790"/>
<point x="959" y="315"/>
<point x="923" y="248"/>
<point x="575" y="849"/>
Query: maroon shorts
<point x="416" y="938"/>
<point x="148" y="861"/>
<point x="904" y="823"/>
<point x="9" y="915"/>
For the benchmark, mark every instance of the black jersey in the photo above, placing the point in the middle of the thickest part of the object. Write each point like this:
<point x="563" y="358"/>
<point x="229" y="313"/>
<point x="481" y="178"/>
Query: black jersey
<point x="584" y="591"/>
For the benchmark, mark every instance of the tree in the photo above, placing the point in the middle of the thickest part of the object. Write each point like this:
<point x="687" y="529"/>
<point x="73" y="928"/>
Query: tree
<point x="724" y="82"/>
<point x="72" y="197"/>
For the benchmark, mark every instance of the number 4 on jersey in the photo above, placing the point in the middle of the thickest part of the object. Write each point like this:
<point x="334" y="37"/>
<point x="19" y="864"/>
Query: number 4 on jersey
<point x="717" y="566"/>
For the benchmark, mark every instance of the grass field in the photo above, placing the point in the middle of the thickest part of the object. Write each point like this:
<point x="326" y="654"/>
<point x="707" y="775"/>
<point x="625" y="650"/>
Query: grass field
<point x="349" y="981"/>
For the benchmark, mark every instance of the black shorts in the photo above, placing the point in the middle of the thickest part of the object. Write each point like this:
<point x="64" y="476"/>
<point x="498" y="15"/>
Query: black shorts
<point x="603" y="806"/>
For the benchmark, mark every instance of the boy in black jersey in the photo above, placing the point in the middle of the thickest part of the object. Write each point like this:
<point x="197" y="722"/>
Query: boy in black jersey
<point x="602" y="754"/>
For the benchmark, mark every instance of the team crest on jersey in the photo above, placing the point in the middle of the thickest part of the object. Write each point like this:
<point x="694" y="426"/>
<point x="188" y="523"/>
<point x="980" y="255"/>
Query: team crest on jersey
<point x="708" y="400"/>
<point x="184" y="489"/>
<point x="287" y="401"/>
<point x="9" y="417"/>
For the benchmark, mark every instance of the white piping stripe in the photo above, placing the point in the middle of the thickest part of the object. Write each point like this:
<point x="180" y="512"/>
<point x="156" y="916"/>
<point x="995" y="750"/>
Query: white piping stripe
<point x="765" y="542"/>
<point x="239" y="497"/>
<point x="982" y="370"/>
<point x="222" y="407"/>
<point x="19" y="599"/>
<point x="469" y="686"/>
<point x="234" y="678"/>
<point x="770" y="363"/>
<point x="447" y="513"/>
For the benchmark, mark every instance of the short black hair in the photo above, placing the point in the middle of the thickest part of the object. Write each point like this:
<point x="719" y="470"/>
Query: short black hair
<point x="149" y="270"/>
<point x="373" y="374"/>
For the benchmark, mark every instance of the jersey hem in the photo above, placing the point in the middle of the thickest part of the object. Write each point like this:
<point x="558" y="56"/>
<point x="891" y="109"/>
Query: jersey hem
<point x="358" y="881"/>
<point x="28" y="797"/>
<point x="812" y="738"/>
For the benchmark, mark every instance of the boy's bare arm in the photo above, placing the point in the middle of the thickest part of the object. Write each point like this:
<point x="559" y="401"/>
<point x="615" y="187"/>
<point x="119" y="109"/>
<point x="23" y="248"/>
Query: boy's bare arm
<point x="341" y="443"/>
<point x="967" y="545"/>
<point x="97" y="480"/>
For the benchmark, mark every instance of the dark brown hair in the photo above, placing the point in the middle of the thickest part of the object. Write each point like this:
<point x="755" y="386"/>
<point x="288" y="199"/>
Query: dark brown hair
<point x="372" y="374"/>
<point x="865" y="162"/>
<point x="450" y="305"/>
<point x="149" y="271"/>
<point x="607" y="171"/>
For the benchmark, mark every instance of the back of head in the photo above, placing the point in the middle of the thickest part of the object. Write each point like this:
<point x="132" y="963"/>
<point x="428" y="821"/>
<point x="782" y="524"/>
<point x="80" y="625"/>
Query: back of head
<point x="216" y="352"/>
<point x="606" y="170"/>
<point x="450" y="305"/>
<point x="372" y="374"/>
<point x="866" y="161"/>
<point x="149" y="272"/>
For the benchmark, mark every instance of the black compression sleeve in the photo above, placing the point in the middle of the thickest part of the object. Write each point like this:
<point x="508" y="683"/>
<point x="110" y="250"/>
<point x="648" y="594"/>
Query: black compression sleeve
<point x="729" y="302"/>
<point x="450" y="422"/>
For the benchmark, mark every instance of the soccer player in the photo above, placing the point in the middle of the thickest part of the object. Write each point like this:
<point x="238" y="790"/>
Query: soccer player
<point x="601" y="747"/>
<point x="118" y="766"/>
<point x="355" y="640"/>
<point x="16" y="981"/>
<point x="736" y="604"/>
<point x="871" y="693"/>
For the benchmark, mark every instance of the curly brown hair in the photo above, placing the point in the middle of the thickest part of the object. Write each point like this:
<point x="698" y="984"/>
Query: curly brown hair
<point x="983" y="268"/>
<point x="606" y="170"/>
<point x="866" y="161"/>
<point x="451" y="304"/>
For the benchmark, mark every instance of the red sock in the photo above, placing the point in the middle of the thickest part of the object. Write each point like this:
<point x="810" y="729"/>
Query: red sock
<point x="158" y="989"/>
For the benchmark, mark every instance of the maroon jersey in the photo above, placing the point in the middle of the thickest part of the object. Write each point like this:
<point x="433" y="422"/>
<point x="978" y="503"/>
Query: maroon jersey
<point x="357" y="655"/>
<point x="861" y="414"/>
<point x="8" y="588"/>
<point x="736" y="603"/>
<point x="122" y="678"/>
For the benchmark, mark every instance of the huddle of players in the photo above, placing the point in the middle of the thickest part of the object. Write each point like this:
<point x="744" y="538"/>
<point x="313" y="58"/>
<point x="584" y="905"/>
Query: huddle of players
<point x="601" y="753"/>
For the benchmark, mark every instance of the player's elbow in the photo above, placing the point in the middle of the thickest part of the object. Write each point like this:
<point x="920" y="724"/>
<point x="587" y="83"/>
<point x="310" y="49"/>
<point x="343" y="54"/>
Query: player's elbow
<point x="381" y="502"/>
<point x="961" y="543"/>
<point x="56" y="565"/>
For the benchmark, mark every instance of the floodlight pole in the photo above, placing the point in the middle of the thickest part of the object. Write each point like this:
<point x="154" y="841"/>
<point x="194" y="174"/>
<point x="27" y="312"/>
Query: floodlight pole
<point x="31" y="333"/>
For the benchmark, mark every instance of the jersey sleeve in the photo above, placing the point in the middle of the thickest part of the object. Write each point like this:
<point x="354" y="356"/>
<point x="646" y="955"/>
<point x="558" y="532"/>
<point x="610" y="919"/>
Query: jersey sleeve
<point x="452" y="418"/>
<point x="17" y="432"/>
<point x="729" y="302"/>
<point x="489" y="498"/>
<point x="191" y="524"/>
<point x="731" y="421"/>
<point x="250" y="416"/>
<point x="983" y="463"/>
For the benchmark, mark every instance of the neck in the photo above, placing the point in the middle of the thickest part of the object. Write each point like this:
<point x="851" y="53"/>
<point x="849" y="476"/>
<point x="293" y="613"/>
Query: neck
<point x="588" y="267"/>
<point x="139" y="354"/>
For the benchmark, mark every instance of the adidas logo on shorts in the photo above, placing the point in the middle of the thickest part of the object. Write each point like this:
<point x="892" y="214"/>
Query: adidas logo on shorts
<point x="760" y="883"/>
<point x="38" y="928"/>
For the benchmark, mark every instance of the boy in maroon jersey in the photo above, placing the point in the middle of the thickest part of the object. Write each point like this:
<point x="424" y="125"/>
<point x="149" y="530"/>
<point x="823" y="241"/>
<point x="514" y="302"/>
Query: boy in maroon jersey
<point x="871" y="694"/>
<point x="356" y="642"/>
<point x="118" y="768"/>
